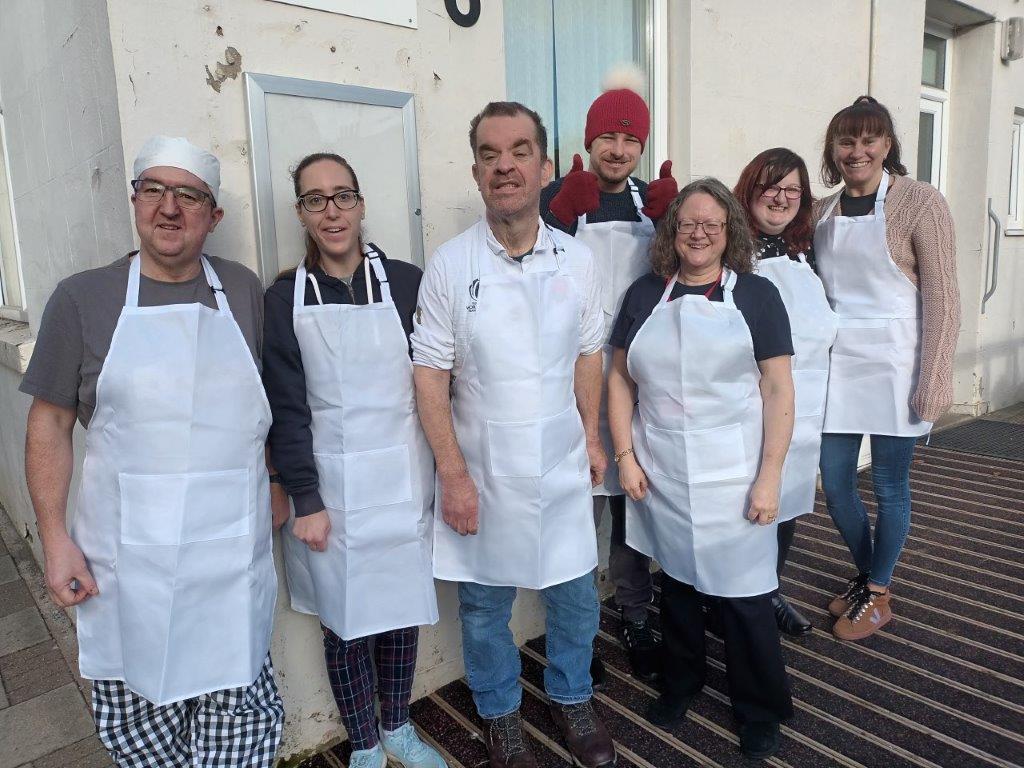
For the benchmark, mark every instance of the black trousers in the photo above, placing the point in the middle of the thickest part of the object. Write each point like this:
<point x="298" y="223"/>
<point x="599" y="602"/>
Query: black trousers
<point x="785" y="532"/>
<point x="758" y="684"/>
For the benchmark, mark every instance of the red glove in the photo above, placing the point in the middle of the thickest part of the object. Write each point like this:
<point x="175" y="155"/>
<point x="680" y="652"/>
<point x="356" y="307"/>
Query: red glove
<point x="660" y="193"/>
<point x="579" y="194"/>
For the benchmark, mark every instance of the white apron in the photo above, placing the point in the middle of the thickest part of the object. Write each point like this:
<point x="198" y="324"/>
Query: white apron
<point x="621" y="255"/>
<point x="516" y="421"/>
<point x="174" y="506"/>
<point x="375" y="468"/>
<point x="697" y="434"/>
<point x="877" y="353"/>
<point x="814" y="329"/>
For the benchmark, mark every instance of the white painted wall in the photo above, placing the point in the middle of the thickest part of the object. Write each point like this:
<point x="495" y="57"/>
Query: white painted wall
<point x="67" y="173"/>
<point x="161" y="51"/>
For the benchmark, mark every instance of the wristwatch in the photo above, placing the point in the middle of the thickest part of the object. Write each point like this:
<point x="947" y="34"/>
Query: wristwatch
<point x="276" y="478"/>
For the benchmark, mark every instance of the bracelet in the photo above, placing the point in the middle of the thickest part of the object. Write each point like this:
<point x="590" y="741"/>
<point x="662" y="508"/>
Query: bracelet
<point x="276" y="478"/>
<point x="622" y="454"/>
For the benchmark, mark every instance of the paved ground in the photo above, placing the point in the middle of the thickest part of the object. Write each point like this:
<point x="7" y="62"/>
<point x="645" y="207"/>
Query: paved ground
<point x="44" y="718"/>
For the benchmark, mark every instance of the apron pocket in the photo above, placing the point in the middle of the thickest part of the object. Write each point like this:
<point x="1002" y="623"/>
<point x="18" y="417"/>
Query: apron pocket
<point x="668" y="451"/>
<point x="532" y="448"/>
<point x="162" y="510"/>
<point x="809" y="386"/>
<point x="377" y="478"/>
<point x="715" y="454"/>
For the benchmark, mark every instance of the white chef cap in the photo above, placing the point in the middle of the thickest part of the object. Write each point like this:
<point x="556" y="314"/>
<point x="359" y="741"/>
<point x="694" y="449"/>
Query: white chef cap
<point x="177" y="152"/>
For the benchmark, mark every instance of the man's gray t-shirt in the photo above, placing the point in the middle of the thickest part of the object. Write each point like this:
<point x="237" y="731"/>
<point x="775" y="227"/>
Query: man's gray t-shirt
<point x="79" y="320"/>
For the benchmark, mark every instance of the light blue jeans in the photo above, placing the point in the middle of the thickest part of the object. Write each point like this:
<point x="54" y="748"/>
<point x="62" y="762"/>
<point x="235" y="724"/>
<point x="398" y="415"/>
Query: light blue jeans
<point x="492" y="659"/>
<point x="890" y="474"/>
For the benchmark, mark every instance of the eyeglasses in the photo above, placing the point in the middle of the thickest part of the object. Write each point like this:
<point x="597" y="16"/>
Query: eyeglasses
<point x="346" y="200"/>
<point x="689" y="227"/>
<point x="792" y="193"/>
<point x="149" y="191"/>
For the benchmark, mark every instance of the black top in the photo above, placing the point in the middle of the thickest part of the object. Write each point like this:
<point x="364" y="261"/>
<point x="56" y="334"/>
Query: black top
<point x="857" y="206"/>
<point x="771" y="246"/>
<point x="615" y="206"/>
<point x="756" y="298"/>
<point x="291" y="440"/>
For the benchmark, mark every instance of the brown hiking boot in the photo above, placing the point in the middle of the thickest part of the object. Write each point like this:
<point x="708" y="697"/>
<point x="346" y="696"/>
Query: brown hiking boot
<point x="506" y="745"/>
<point x="841" y="603"/>
<point x="584" y="734"/>
<point x="869" y="611"/>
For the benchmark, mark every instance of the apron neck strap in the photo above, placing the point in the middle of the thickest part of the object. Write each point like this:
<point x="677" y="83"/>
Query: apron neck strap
<point x="728" y="281"/>
<point x="883" y="187"/>
<point x="726" y="278"/>
<point x="372" y="260"/>
<point x="638" y="201"/>
<point x="131" y="297"/>
<point x="299" y="294"/>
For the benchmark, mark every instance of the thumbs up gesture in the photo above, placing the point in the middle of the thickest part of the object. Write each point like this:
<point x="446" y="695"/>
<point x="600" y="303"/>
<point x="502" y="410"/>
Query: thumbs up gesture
<point x="660" y="193"/>
<point x="578" y="195"/>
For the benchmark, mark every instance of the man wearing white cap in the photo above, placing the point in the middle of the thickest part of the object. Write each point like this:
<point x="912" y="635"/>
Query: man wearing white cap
<point x="169" y="556"/>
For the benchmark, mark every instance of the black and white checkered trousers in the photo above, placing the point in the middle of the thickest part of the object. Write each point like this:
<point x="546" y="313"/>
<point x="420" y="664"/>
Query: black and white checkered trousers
<point x="230" y="728"/>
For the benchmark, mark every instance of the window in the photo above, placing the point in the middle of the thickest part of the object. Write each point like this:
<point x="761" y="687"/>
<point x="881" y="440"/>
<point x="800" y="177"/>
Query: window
<point x="933" y="118"/>
<point x="1015" y="219"/>
<point x="558" y="51"/>
<point x="11" y="291"/>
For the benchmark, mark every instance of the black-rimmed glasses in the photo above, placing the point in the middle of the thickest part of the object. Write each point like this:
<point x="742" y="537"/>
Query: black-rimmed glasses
<point x="792" y="193"/>
<point x="314" y="202"/>
<point x="149" y="191"/>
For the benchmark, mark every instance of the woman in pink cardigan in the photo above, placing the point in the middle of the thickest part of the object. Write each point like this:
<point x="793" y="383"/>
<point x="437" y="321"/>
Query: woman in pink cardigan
<point x="886" y="254"/>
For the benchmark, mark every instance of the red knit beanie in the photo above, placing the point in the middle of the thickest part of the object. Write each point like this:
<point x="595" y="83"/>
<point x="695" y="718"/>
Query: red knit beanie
<point x="618" y="111"/>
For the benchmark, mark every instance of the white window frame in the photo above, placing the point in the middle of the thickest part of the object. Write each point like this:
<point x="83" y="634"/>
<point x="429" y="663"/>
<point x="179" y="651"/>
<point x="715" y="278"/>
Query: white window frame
<point x="1015" y="209"/>
<point x="12" y="283"/>
<point x="936" y="101"/>
<point x="937" y="108"/>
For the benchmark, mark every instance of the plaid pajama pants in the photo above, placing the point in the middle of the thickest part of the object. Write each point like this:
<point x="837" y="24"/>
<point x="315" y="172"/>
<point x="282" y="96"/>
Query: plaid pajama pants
<point x="351" y="674"/>
<point x="230" y="728"/>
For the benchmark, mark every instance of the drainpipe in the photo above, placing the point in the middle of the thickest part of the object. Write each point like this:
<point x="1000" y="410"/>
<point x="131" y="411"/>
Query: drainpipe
<point x="871" y="46"/>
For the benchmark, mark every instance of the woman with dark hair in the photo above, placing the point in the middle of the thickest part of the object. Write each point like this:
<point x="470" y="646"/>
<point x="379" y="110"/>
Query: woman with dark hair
<point x="349" y="450"/>
<point x="774" y="189"/>
<point x="886" y="254"/>
<point x="703" y="347"/>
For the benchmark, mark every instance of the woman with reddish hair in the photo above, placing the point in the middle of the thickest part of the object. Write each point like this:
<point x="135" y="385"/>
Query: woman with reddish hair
<point x="774" y="190"/>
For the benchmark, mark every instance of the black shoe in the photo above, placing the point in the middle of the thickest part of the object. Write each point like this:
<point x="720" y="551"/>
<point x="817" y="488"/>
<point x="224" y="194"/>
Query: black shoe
<point x="639" y="642"/>
<point x="759" y="740"/>
<point x="668" y="710"/>
<point x="598" y="677"/>
<point x="789" y="619"/>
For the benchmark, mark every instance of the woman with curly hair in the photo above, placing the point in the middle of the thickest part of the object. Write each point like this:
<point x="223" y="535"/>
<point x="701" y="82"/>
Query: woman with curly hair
<point x="774" y="189"/>
<point x="887" y="257"/>
<point x="703" y="347"/>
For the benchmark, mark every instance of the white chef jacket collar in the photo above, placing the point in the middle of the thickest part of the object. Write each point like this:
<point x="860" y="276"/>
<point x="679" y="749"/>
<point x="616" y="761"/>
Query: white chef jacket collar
<point x="545" y="242"/>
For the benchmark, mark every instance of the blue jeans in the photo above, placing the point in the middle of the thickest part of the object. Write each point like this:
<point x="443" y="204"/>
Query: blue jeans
<point x="491" y="656"/>
<point x="890" y="474"/>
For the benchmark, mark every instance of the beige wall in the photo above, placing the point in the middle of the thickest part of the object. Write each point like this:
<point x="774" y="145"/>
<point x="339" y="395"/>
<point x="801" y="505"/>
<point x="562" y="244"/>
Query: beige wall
<point x="67" y="174"/>
<point x="160" y="56"/>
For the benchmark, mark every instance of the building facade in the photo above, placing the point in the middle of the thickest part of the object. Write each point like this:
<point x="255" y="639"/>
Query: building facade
<point x="84" y="82"/>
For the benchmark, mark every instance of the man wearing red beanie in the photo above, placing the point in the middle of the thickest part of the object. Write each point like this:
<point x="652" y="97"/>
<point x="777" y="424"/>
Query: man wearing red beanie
<point x="614" y="214"/>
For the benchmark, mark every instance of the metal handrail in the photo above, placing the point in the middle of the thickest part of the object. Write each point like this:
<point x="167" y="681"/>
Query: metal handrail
<point x="992" y="265"/>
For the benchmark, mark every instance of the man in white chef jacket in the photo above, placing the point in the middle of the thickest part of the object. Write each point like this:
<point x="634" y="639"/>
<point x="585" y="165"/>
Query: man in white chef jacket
<point x="168" y="560"/>
<point x="506" y="349"/>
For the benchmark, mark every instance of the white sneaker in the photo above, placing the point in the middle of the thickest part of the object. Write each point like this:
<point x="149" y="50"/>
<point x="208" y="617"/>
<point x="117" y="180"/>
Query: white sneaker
<point x="368" y="758"/>
<point x="404" y="746"/>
